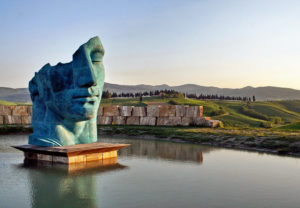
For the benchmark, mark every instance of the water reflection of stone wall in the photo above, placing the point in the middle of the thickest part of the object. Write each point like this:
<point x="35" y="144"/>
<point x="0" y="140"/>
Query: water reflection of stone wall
<point x="165" y="150"/>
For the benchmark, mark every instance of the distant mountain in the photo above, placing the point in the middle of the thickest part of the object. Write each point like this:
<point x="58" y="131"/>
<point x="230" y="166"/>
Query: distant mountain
<point x="261" y="93"/>
<point x="22" y="95"/>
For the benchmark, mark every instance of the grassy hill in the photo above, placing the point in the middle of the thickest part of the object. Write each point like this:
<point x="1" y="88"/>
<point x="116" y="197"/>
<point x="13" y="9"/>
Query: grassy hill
<point x="232" y="116"/>
<point x="293" y="126"/>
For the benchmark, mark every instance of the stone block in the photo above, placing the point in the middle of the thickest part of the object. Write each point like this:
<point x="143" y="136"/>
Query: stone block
<point x="100" y="111"/>
<point x="20" y="111"/>
<point x="77" y="159"/>
<point x="126" y="110"/>
<point x="106" y="155"/>
<point x="199" y="121"/>
<point x="167" y="110"/>
<point x="105" y="120"/>
<point x="60" y="159"/>
<point x="1" y="120"/>
<point x="5" y="110"/>
<point x="94" y="156"/>
<point x="148" y="121"/>
<point x="186" y="121"/>
<point x="133" y="120"/>
<point x="153" y="111"/>
<point x="26" y="119"/>
<point x="29" y="110"/>
<point x="194" y="111"/>
<point x="139" y="111"/>
<point x="119" y="120"/>
<point x="212" y="123"/>
<point x="168" y="121"/>
<point x="12" y="120"/>
<point x="111" y="111"/>
<point x="180" y="110"/>
<point x="44" y="157"/>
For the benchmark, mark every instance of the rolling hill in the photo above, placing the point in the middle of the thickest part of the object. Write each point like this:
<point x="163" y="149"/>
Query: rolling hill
<point x="21" y="95"/>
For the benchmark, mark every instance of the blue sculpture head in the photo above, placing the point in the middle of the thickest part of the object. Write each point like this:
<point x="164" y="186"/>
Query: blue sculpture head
<point x="66" y="98"/>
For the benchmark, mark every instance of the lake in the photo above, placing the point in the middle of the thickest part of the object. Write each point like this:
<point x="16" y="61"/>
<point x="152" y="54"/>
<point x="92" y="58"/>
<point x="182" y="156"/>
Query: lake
<point x="153" y="174"/>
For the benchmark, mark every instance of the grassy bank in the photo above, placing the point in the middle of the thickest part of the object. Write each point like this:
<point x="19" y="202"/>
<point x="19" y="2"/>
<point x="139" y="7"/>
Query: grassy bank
<point x="279" y="142"/>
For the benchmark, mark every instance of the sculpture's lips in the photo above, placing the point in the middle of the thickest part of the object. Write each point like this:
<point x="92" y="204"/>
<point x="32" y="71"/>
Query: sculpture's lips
<point x="85" y="98"/>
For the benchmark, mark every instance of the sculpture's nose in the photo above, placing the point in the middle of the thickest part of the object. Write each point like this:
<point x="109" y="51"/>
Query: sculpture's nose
<point x="87" y="77"/>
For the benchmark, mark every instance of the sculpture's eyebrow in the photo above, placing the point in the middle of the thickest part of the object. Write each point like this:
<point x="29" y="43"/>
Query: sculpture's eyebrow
<point x="98" y="50"/>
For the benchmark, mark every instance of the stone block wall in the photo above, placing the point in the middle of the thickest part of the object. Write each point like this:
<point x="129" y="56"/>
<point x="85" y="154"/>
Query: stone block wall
<point x="15" y="114"/>
<point x="153" y="115"/>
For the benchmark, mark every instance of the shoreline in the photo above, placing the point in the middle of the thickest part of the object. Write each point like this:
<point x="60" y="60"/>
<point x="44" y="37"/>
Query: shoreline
<point x="283" y="146"/>
<point x="272" y="142"/>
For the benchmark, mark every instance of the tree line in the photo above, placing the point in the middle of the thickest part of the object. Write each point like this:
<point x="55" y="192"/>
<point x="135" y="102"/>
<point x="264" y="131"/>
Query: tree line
<point x="174" y="94"/>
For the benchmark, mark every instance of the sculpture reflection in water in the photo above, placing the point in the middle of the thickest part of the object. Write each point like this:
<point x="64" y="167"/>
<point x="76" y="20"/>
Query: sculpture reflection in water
<point x="66" y="98"/>
<point x="165" y="150"/>
<point x="54" y="186"/>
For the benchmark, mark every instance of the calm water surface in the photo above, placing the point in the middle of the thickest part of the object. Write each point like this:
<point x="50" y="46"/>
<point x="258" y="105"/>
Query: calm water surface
<point x="153" y="174"/>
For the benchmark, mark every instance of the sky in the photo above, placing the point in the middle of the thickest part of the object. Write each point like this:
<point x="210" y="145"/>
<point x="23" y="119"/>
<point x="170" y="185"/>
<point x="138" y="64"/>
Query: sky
<point x="226" y="43"/>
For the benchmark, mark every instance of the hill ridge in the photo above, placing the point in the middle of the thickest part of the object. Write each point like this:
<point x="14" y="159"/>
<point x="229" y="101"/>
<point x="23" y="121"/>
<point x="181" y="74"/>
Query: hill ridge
<point x="261" y="93"/>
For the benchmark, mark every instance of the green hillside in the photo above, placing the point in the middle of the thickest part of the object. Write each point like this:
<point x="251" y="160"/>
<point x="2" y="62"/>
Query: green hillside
<point x="293" y="126"/>
<point x="233" y="116"/>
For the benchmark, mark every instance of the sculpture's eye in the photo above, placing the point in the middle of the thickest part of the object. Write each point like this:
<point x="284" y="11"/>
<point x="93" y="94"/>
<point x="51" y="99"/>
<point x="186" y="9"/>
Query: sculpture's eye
<point x="96" y="56"/>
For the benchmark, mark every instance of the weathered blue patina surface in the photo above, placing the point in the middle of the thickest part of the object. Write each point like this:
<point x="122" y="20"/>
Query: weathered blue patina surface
<point x="66" y="98"/>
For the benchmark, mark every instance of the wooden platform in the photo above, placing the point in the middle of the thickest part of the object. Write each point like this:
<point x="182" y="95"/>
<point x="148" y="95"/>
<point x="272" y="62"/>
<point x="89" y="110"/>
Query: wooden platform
<point x="79" y="153"/>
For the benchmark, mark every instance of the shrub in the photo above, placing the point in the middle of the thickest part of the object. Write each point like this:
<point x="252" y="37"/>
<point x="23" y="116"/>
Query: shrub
<point x="173" y="102"/>
<point x="266" y="124"/>
<point x="218" y="112"/>
<point x="276" y="120"/>
<point x="221" y="125"/>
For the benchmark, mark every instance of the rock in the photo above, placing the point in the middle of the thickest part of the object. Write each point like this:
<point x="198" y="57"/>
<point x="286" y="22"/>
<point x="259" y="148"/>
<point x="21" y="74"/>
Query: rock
<point x="29" y="109"/>
<point x="133" y="120"/>
<point x="212" y="123"/>
<point x="139" y="111"/>
<point x="194" y="111"/>
<point x="104" y="120"/>
<point x="1" y="120"/>
<point x="100" y="111"/>
<point x="186" y="121"/>
<point x="119" y="120"/>
<point x="5" y="110"/>
<point x="199" y="121"/>
<point x="168" y="121"/>
<point x="20" y="111"/>
<point x="126" y="110"/>
<point x="12" y="119"/>
<point x="26" y="119"/>
<point x="153" y="111"/>
<point x="111" y="111"/>
<point x="167" y="111"/>
<point x="180" y="110"/>
<point x="148" y="121"/>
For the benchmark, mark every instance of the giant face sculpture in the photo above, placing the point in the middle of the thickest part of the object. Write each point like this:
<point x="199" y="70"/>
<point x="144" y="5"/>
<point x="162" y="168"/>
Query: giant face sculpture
<point x="66" y="98"/>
